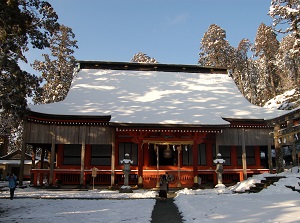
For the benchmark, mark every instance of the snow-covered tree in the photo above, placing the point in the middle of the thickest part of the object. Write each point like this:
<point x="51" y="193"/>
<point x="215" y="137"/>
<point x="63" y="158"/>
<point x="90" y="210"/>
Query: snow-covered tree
<point x="252" y="87"/>
<point x="143" y="58"/>
<point x="286" y="19"/>
<point x="265" y="47"/>
<point x="240" y="65"/>
<point x="215" y="50"/>
<point x="288" y="64"/>
<point x="57" y="72"/>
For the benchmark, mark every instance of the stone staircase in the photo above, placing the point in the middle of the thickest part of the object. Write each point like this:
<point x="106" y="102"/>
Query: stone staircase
<point x="263" y="184"/>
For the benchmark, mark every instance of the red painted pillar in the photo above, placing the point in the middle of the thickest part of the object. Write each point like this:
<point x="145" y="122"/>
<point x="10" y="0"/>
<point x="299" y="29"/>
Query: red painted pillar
<point x="140" y="163"/>
<point x="241" y="175"/>
<point x="35" y="176"/>
<point x="257" y="156"/>
<point x="60" y="155"/>
<point x="88" y="156"/>
<point x="234" y="161"/>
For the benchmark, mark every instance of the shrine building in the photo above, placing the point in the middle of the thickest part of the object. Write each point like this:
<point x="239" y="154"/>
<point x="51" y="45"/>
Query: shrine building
<point x="168" y="118"/>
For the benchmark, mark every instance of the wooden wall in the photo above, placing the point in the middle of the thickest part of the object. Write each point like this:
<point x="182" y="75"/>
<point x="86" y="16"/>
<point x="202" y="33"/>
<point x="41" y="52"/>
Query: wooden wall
<point x="253" y="137"/>
<point x="68" y="134"/>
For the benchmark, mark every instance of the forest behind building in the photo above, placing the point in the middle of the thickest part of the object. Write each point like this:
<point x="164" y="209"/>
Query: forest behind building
<point x="262" y="68"/>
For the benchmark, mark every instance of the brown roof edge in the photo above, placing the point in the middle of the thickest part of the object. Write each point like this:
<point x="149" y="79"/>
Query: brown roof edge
<point x="166" y="126"/>
<point x="56" y="117"/>
<point x="149" y="67"/>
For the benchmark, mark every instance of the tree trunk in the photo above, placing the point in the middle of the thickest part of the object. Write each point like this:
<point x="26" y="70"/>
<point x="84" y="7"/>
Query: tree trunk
<point x="278" y="150"/>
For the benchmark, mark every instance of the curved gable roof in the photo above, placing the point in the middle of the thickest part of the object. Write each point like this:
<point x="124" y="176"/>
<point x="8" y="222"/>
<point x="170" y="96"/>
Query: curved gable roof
<point x="156" y="97"/>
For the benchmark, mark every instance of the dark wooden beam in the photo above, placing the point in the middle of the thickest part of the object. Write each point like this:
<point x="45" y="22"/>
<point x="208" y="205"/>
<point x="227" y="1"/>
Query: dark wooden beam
<point x="149" y="67"/>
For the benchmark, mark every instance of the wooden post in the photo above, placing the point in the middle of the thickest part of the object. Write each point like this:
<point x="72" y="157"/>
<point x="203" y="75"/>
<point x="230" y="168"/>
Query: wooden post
<point x="157" y="165"/>
<point x="244" y="155"/>
<point x="21" y="173"/>
<point x="33" y="154"/>
<point x="53" y="139"/>
<point x="195" y="163"/>
<point x="113" y="157"/>
<point x="278" y="149"/>
<point x="179" y="148"/>
<point x="140" y="163"/>
<point x="270" y="160"/>
<point x="291" y="141"/>
<point x="83" y="136"/>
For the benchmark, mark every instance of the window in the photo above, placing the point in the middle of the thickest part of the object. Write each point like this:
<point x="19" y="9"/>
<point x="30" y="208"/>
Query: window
<point x="202" y="154"/>
<point x="187" y="155"/>
<point x="250" y="155"/>
<point x="131" y="149"/>
<point x="72" y="154"/>
<point x="225" y="151"/>
<point x="101" y="155"/>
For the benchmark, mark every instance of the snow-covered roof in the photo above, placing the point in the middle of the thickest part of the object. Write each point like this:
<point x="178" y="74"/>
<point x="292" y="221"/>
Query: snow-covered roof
<point x="16" y="162"/>
<point x="156" y="97"/>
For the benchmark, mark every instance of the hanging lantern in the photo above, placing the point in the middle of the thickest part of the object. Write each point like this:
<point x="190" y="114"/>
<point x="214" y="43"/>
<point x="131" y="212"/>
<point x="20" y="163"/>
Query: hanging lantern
<point x="186" y="148"/>
<point x="167" y="152"/>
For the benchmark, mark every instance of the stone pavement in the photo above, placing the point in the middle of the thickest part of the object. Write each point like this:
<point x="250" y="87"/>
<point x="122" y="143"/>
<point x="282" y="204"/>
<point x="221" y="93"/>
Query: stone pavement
<point x="166" y="212"/>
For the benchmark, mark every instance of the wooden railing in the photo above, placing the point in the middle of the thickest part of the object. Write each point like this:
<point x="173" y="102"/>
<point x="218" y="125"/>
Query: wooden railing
<point x="150" y="180"/>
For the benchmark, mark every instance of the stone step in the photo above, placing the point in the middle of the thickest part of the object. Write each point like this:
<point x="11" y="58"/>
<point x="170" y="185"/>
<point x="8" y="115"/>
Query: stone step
<point x="261" y="185"/>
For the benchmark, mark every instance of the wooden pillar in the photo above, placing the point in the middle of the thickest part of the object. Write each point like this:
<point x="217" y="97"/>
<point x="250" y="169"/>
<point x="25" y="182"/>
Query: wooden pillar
<point x="257" y="156"/>
<point x="35" y="175"/>
<point x="157" y="165"/>
<point x="33" y="155"/>
<point x="234" y="156"/>
<point x="146" y="152"/>
<point x="140" y="163"/>
<point x="244" y="156"/>
<point x="83" y="136"/>
<point x="113" y="158"/>
<point x="21" y="173"/>
<point x="195" y="163"/>
<point x="242" y="176"/>
<point x="179" y="164"/>
<point x="40" y="175"/>
<point x="209" y="155"/>
<point x="291" y="141"/>
<point x="60" y="155"/>
<point x="53" y="139"/>
<point x="278" y="148"/>
<point x="270" y="161"/>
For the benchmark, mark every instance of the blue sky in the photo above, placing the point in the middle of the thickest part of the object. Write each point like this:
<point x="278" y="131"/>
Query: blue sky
<point x="168" y="30"/>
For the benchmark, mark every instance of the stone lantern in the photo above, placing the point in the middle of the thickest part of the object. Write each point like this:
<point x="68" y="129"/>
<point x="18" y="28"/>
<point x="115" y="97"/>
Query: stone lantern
<point x="219" y="168"/>
<point x="126" y="170"/>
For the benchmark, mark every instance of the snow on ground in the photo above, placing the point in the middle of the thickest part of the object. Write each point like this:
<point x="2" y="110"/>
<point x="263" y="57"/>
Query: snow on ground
<point x="275" y="204"/>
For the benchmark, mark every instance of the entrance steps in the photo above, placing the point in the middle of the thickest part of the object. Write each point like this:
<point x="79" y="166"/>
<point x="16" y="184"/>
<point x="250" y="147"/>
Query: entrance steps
<point x="257" y="187"/>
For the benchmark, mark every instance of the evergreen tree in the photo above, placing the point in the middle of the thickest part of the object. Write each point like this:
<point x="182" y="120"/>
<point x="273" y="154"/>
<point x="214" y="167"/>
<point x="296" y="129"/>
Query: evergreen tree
<point x="57" y="73"/>
<point x="215" y="50"/>
<point x="286" y="19"/>
<point x="253" y="85"/>
<point x="21" y="23"/>
<point x="288" y="64"/>
<point x="266" y="46"/>
<point x="143" y="58"/>
<point x="240" y="65"/>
